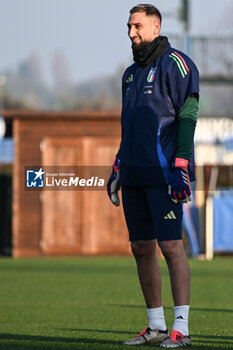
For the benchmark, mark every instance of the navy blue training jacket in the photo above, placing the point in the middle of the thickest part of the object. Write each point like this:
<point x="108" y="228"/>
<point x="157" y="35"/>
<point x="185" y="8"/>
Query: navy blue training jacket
<point x="151" y="99"/>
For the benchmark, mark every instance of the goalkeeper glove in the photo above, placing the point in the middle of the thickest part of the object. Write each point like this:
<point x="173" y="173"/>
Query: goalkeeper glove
<point x="113" y="185"/>
<point x="179" y="186"/>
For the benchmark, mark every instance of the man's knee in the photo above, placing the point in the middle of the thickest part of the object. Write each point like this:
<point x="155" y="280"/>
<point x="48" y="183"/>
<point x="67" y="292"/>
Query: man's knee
<point x="171" y="249"/>
<point x="143" y="248"/>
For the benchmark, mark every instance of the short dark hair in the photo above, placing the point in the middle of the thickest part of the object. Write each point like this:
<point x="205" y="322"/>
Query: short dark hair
<point x="149" y="9"/>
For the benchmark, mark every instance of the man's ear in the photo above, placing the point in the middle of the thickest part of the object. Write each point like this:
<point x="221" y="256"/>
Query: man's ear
<point x="156" y="27"/>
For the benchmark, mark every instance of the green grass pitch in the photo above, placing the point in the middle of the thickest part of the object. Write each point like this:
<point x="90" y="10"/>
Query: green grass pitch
<point x="96" y="303"/>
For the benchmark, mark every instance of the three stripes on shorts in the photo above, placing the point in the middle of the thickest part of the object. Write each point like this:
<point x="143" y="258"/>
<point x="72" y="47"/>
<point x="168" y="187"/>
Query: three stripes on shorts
<point x="170" y="215"/>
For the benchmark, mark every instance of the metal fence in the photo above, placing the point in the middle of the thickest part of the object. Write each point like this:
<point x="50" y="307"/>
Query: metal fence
<point x="212" y="55"/>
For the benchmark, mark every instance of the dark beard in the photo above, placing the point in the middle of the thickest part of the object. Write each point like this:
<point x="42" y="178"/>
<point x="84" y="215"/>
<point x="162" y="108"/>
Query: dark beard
<point x="146" y="52"/>
<point x="138" y="47"/>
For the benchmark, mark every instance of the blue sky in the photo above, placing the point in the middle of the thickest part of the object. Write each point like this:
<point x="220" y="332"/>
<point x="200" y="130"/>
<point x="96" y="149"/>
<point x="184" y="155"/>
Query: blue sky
<point x="92" y="34"/>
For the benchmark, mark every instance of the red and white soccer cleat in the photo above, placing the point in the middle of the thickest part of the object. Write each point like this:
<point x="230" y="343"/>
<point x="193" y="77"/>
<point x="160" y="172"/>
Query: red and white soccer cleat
<point x="176" y="340"/>
<point x="148" y="336"/>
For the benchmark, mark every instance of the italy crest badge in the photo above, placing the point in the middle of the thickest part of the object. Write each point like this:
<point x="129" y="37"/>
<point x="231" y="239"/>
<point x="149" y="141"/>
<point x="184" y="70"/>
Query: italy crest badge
<point x="151" y="74"/>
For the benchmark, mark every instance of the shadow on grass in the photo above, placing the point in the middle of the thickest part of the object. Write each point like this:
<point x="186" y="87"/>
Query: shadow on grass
<point x="33" y="342"/>
<point x="213" y="336"/>
<point x="83" y="269"/>
<point x="171" y="308"/>
<point x="95" y="331"/>
<point x="25" y="342"/>
<point x="51" y="267"/>
<point x="209" y="338"/>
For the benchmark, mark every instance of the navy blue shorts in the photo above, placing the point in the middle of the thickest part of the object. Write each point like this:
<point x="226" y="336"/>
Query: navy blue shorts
<point x="151" y="214"/>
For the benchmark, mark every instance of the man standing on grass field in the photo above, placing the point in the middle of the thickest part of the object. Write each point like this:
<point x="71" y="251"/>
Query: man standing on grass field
<point x="154" y="165"/>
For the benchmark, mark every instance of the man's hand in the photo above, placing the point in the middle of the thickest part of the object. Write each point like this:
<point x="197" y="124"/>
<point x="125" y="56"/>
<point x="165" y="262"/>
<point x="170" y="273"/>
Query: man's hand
<point x="113" y="185"/>
<point x="179" y="187"/>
